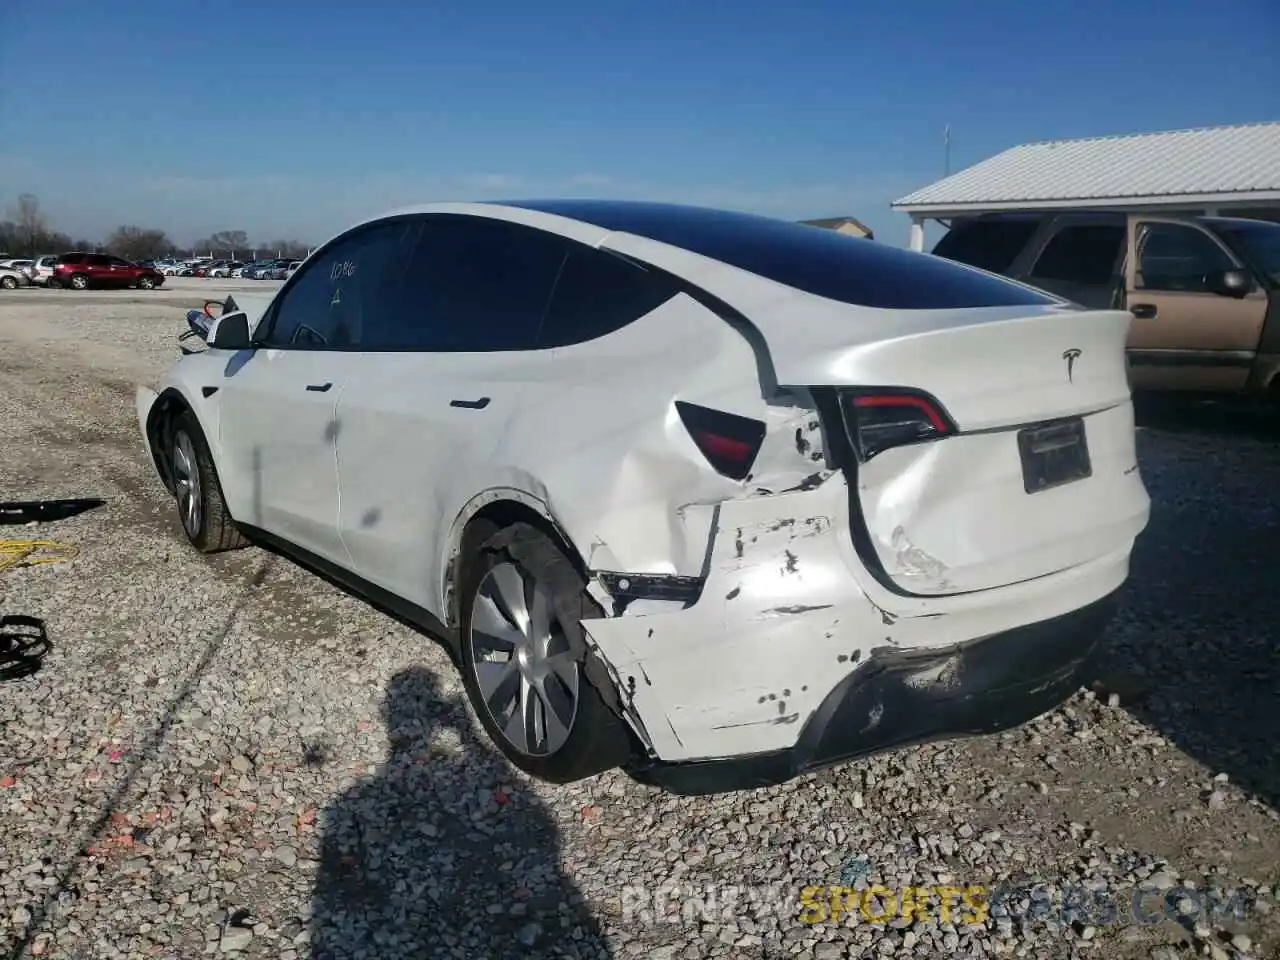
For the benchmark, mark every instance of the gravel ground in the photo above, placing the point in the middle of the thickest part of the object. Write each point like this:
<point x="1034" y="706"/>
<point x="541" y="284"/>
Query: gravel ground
<point x="230" y="756"/>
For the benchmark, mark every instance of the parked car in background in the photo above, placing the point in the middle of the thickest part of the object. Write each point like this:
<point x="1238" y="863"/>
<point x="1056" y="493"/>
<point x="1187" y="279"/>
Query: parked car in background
<point x="79" y="271"/>
<point x="14" y="264"/>
<point x="258" y="270"/>
<point x="280" y="269"/>
<point x="715" y="497"/>
<point x="206" y="269"/>
<point x="170" y="268"/>
<point x="1204" y="292"/>
<point x="11" y="279"/>
<point x="224" y="268"/>
<point x="41" y="269"/>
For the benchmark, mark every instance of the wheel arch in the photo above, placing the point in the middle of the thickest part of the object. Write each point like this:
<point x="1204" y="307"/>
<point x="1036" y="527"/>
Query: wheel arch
<point x="502" y="507"/>
<point x="167" y="407"/>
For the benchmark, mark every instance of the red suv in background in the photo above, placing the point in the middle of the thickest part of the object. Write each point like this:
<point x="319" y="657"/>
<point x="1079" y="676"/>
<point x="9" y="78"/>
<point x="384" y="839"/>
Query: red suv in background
<point x="83" y="270"/>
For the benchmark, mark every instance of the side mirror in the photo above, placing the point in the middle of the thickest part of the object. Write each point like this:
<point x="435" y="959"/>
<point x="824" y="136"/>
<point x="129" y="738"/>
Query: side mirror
<point x="1229" y="283"/>
<point x="231" y="333"/>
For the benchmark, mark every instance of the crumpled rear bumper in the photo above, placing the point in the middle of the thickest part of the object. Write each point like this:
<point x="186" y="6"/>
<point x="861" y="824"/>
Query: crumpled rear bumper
<point x="899" y="698"/>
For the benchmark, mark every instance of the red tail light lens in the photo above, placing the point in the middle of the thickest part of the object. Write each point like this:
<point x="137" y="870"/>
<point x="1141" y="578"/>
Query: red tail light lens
<point x="729" y="442"/>
<point x="881" y="420"/>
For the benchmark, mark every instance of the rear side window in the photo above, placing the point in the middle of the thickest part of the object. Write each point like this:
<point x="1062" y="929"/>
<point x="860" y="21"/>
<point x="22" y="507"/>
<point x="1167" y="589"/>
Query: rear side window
<point x="987" y="244"/>
<point x="71" y="259"/>
<point x="1086" y="253"/>
<point x="471" y="285"/>
<point x="597" y="294"/>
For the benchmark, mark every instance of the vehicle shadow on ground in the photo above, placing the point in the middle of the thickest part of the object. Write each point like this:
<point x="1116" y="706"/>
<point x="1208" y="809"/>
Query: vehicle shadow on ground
<point x="442" y="853"/>
<point x="1201" y="621"/>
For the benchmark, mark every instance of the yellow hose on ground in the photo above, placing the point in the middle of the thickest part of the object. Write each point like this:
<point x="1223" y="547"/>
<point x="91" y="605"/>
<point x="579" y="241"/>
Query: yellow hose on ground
<point x="18" y="553"/>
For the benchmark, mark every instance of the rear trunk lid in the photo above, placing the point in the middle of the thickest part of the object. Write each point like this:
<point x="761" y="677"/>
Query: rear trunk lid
<point x="1038" y="471"/>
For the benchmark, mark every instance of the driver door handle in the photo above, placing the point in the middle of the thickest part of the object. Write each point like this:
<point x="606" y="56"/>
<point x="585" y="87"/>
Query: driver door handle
<point x="319" y="387"/>
<point x="470" y="404"/>
<point x="1143" y="311"/>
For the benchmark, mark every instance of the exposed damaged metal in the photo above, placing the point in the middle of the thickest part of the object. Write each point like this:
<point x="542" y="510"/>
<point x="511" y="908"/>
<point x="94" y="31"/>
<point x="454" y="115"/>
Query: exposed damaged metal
<point x="794" y="609"/>
<point x="941" y="676"/>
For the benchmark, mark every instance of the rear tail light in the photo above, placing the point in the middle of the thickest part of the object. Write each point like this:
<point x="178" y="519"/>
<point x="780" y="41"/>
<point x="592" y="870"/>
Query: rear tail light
<point x="729" y="442"/>
<point x="879" y="420"/>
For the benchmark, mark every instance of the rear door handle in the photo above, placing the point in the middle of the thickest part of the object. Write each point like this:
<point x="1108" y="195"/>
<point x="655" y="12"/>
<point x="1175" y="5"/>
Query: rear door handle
<point x="470" y="404"/>
<point x="319" y="387"/>
<point x="1143" y="311"/>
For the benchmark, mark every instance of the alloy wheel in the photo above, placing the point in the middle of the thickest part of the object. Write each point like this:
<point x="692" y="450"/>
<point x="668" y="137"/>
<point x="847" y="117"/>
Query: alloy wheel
<point x="186" y="483"/>
<point x="522" y="663"/>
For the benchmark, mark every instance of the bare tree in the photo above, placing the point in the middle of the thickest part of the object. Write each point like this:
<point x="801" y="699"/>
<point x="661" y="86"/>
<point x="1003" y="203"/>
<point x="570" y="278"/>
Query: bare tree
<point x="287" y="249"/>
<point x="27" y="229"/>
<point x="224" y="243"/>
<point x="30" y="220"/>
<point x="138" y="243"/>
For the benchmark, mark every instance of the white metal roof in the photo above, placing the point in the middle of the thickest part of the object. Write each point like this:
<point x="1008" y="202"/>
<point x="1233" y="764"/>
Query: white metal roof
<point x="1210" y="164"/>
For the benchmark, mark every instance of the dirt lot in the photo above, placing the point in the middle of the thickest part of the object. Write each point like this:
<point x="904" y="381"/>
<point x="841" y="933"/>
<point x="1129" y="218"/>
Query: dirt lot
<point x="230" y="756"/>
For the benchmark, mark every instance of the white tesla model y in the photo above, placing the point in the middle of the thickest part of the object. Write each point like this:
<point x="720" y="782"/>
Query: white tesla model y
<point x="712" y="497"/>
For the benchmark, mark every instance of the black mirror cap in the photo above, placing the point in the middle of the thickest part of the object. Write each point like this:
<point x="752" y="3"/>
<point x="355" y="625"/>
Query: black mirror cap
<point x="1230" y="283"/>
<point x="232" y="333"/>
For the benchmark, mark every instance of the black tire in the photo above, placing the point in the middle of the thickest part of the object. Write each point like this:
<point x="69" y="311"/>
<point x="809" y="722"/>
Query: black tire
<point x="9" y="283"/>
<point x="78" y="281"/>
<point x="599" y="739"/>
<point x="146" y="283"/>
<point x="213" y="530"/>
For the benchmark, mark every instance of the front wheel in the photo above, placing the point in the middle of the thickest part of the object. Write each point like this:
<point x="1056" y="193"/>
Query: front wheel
<point x="201" y="508"/>
<point x="146" y="283"/>
<point x="525" y="662"/>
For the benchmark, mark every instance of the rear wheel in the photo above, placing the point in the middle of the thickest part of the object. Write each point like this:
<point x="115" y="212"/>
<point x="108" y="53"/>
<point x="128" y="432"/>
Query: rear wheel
<point x="79" y="281"/>
<point x="9" y="283"/>
<point x="201" y="508"/>
<point x="524" y="659"/>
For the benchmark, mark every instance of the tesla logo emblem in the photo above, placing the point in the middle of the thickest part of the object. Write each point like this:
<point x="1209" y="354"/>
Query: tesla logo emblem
<point x="1070" y="356"/>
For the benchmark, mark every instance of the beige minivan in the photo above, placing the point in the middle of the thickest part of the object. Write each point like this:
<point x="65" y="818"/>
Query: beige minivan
<point x="1204" y="291"/>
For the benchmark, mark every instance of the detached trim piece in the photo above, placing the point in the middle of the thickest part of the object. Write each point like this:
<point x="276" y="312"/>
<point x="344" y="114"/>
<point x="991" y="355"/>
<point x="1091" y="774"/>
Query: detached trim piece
<point x="625" y="588"/>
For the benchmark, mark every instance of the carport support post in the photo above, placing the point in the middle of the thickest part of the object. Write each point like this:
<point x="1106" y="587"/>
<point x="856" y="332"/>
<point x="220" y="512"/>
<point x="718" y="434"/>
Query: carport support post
<point x="917" y="233"/>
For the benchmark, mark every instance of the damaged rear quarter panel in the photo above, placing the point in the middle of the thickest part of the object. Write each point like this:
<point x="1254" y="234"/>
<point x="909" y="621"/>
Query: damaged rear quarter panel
<point x="775" y="630"/>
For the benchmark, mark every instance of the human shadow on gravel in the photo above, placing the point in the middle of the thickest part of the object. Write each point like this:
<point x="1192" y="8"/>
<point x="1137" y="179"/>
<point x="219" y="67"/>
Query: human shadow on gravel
<point x="442" y="853"/>
<point x="1200" y="626"/>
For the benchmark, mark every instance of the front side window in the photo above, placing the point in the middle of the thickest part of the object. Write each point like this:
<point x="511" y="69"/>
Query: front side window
<point x="472" y="284"/>
<point x="1260" y="244"/>
<point x="97" y="260"/>
<point x="328" y="305"/>
<point x="1177" y="257"/>
<point x="1084" y="253"/>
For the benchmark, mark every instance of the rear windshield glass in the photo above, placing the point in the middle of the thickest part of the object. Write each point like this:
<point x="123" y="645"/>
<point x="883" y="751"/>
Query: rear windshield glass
<point x="988" y="244"/>
<point x="818" y="261"/>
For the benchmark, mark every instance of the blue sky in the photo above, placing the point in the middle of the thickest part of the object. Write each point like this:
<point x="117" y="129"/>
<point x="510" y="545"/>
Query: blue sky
<point x="293" y="119"/>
